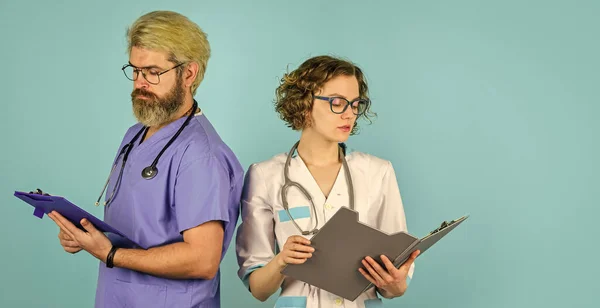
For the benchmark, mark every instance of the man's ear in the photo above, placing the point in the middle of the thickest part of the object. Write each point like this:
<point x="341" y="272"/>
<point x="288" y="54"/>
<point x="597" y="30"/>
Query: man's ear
<point x="189" y="74"/>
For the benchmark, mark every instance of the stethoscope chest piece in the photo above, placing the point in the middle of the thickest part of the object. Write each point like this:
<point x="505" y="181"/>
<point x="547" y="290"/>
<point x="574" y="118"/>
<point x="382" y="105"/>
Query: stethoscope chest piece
<point x="149" y="172"/>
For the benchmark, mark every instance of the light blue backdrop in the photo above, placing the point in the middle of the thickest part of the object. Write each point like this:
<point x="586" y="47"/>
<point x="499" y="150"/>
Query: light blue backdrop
<point x="487" y="108"/>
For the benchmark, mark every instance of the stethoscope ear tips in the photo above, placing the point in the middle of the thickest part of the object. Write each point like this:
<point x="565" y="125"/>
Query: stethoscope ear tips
<point x="149" y="172"/>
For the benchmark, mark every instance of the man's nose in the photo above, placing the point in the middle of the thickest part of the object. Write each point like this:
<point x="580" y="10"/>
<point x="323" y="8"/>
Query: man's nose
<point x="141" y="82"/>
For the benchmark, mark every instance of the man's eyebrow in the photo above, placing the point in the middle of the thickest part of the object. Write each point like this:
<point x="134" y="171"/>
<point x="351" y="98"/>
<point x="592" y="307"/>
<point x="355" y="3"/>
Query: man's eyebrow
<point x="151" y="66"/>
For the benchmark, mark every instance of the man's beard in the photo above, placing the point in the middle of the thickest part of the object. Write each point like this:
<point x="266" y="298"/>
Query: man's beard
<point x="155" y="111"/>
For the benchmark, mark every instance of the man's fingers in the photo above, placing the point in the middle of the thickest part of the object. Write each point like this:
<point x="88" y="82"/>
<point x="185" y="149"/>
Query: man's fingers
<point x="65" y="225"/>
<point x="64" y="236"/>
<point x="68" y="243"/>
<point x="61" y="231"/>
<point x="60" y="223"/>
<point x="89" y="227"/>
<point x="71" y="249"/>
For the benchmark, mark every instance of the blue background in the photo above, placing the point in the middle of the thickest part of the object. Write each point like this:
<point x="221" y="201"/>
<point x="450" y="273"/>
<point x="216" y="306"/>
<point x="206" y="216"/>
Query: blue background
<point x="485" y="108"/>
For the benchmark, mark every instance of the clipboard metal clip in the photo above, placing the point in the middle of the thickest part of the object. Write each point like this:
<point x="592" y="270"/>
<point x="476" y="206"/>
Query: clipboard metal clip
<point x="39" y="192"/>
<point x="441" y="227"/>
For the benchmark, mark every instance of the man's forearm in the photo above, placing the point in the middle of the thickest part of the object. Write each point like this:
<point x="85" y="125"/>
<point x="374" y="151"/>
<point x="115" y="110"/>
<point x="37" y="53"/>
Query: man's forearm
<point x="175" y="261"/>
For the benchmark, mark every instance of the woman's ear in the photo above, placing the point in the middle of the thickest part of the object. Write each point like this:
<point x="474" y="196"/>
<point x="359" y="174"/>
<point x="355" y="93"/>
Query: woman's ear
<point x="308" y="120"/>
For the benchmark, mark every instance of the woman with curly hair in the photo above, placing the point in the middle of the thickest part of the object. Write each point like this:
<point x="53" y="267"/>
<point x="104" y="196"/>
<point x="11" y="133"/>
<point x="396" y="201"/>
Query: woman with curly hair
<point x="323" y="99"/>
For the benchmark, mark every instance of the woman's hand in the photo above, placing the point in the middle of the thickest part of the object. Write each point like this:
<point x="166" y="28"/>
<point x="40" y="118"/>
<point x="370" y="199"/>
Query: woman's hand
<point x="390" y="281"/>
<point x="296" y="250"/>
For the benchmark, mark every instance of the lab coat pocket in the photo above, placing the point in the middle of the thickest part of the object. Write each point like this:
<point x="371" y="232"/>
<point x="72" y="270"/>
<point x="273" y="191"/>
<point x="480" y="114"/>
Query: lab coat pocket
<point x="135" y="295"/>
<point x="291" y="302"/>
<point x="301" y="215"/>
<point x="296" y="213"/>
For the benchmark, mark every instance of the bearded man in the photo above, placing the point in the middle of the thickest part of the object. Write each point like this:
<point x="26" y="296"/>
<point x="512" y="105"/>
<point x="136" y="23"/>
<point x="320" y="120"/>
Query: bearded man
<point x="175" y="186"/>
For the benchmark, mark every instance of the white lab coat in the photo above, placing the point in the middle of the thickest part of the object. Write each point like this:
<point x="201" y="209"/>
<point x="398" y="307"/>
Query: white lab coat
<point x="266" y="226"/>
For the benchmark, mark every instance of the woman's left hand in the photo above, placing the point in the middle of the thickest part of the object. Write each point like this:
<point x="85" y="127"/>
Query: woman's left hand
<point x="390" y="281"/>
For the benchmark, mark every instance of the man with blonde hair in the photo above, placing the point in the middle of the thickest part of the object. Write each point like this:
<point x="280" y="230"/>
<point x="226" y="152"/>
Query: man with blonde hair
<point x="174" y="187"/>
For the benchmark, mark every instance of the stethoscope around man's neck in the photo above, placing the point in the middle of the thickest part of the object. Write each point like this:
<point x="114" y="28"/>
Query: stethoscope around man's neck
<point x="289" y="183"/>
<point x="148" y="172"/>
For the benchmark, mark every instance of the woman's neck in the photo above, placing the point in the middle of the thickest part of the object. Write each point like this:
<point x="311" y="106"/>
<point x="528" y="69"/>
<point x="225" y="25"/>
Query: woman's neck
<point x="317" y="151"/>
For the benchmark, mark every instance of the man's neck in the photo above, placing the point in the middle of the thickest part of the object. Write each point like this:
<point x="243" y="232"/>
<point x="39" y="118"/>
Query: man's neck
<point x="184" y="110"/>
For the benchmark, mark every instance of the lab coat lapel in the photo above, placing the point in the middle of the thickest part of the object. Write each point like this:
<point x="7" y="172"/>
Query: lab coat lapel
<point x="305" y="178"/>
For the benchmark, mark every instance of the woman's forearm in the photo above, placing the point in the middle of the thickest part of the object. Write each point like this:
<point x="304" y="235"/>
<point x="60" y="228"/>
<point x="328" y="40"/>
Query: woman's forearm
<point x="266" y="280"/>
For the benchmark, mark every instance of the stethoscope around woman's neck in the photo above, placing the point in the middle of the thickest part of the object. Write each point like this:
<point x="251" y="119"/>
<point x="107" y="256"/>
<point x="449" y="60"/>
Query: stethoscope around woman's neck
<point x="148" y="172"/>
<point x="289" y="183"/>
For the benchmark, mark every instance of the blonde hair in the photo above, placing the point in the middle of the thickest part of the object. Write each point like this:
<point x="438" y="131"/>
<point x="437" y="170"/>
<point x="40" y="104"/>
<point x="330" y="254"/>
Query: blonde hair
<point x="175" y="34"/>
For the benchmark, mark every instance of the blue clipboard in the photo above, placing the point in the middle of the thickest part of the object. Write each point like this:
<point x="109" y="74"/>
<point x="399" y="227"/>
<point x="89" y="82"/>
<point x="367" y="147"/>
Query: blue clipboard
<point x="45" y="204"/>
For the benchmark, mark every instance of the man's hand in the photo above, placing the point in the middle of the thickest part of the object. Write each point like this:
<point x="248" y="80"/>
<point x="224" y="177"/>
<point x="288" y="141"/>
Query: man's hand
<point x="68" y="244"/>
<point x="92" y="241"/>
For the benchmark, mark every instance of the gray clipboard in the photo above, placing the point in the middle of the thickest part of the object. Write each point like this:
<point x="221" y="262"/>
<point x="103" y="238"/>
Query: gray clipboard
<point x="343" y="242"/>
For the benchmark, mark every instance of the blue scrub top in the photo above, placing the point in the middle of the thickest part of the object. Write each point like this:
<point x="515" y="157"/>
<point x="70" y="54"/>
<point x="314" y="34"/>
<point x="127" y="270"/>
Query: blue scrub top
<point x="199" y="179"/>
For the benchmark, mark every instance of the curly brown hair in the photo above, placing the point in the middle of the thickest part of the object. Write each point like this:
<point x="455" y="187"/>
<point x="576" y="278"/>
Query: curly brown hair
<point x="294" y="95"/>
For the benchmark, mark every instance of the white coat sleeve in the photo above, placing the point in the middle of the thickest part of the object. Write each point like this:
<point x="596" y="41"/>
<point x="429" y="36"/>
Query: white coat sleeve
<point x="391" y="212"/>
<point x="255" y="241"/>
